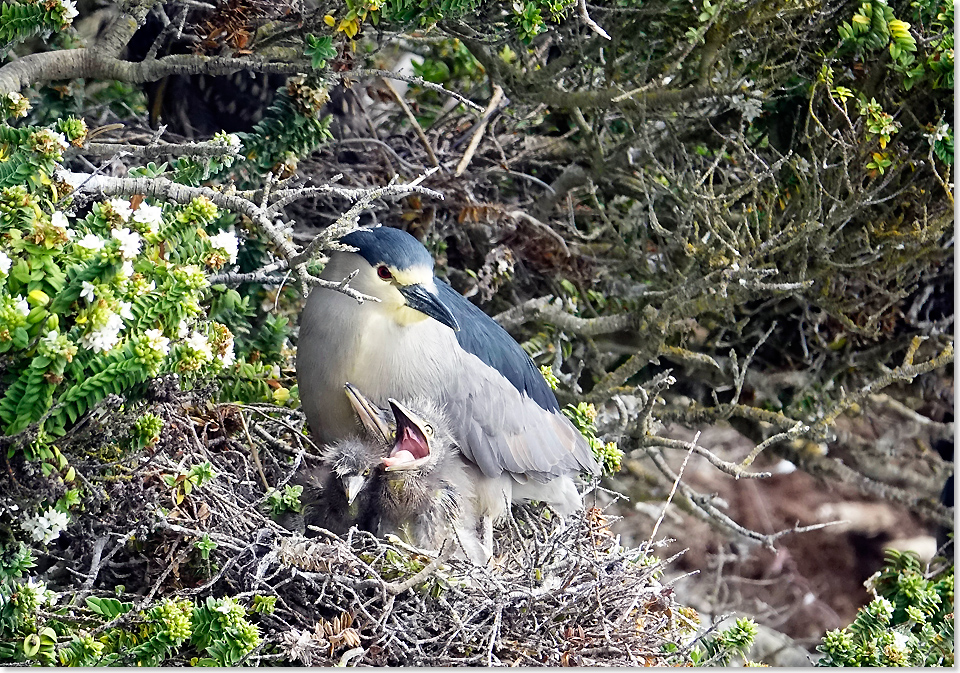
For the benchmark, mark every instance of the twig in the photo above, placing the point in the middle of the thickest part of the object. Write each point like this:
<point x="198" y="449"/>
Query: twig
<point x="396" y="588"/>
<point x="413" y="121"/>
<point x="237" y="278"/>
<point x="481" y="127"/>
<point x="582" y="11"/>
<point x="520" y="215"/>
<point x="40" y="68"/>
<point x="254" y="453"/>
<point x="206" y="149"/>
<point x="676" y="482"/>
<point x="348" y="221"/>
<point x="410" y="79"/>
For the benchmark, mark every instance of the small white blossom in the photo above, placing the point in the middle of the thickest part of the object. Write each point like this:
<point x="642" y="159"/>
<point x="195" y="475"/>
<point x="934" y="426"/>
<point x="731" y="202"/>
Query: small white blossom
<point x="182" y="329"/>
<point x="58" y="219"/>
<point x="37" y="588"/>
<point x="125" y="310"/>
<point x="198" y="342"/>
<point x="47" y="527"/>
<point x="226" y="241"/>
<point x="61" y="140"/>
<point x="126" y="269"/>
<point x="900" y="640"/>
<point x="157" y="341"/>
<point x="234" y="140"/>
<point x="226" y="606"/>
<point x="122" y="208"/>
<point x="33" y="527"/>
<point x="69" y="9"/>
<point x="105" y="338"/>
<point x="88" y="292"/>
<point x="942" y="132"/>
<point x="152" y="216"/>
<point x="5" y="263"/>
<point x="57" y="519"/>
<point x="91" y="242"/>
<point x="23" y="306"/>
<point x="130" y="242"/>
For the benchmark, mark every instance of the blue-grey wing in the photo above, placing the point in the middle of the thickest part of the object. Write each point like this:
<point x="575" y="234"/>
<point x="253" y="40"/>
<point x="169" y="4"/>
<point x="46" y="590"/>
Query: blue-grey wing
<point x="502" y="428"/>
<point x="483" y="337"/>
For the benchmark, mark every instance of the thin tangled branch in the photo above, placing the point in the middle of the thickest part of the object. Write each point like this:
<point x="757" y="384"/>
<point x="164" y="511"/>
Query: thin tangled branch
<point x="262" y="215"/>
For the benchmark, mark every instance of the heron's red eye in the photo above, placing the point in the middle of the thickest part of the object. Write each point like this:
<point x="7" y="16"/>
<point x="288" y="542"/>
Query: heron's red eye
<point x="384" y="272"/>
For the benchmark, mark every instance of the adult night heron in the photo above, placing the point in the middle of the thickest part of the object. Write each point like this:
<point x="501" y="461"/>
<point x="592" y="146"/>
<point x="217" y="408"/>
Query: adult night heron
<point x="423" y="339"/>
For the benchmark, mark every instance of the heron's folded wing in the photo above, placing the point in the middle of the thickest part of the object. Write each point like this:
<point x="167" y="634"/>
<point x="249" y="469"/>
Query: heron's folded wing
<point x="503" y="429"/>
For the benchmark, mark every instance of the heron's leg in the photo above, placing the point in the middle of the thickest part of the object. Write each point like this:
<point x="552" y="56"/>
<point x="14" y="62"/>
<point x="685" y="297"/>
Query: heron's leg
<point x="471" y="545"/>
<point x="487" y="536"/>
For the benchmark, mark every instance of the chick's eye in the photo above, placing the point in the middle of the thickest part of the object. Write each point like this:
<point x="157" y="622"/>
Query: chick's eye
<point x="428" y="429"/>
<point x="384" y="272"/>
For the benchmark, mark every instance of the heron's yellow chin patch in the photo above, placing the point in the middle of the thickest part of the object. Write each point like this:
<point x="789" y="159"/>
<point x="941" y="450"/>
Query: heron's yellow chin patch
<point x="404" y="315"/>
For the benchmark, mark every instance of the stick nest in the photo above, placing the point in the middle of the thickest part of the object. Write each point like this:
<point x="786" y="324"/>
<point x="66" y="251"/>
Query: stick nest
<point x="555" y="593"/>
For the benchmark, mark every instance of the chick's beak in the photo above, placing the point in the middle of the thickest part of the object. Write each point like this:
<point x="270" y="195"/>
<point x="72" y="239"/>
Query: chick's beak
<point x="411" y="447"/>
<point x="427" y="301"/>
<point x="353" y="485"/>
<point x="371" y="416"/>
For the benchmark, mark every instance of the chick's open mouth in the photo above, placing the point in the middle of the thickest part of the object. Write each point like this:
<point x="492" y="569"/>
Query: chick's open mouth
<point x="410" y="446"/>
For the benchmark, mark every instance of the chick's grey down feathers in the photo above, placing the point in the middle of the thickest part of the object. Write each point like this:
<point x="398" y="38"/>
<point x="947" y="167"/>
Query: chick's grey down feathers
<point x="427" y="502"/>
<point x="324" y="499"/>
<point x="431" y="502"/>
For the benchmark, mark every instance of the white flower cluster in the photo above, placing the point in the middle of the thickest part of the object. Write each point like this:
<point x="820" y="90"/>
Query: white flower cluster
<point x="198" y="343"/>
<point x="105" y="337"/>
<point x="46" y="527"/>
<point x="69" y="9"/>
<point x="122" y="208"/>
<point x="900" y="641"/>
<point x="157" y="342"/>
<point x="60" y="220"/>
<point x="229" y="357"/>
<point x="13" y="310"/>
<point x="18" y="104"/>
<point x="88" y="291"/>
<point x="231" y="140"/>
<point x="942" y="131"/>
<point x="226" y="241"/>
<point x="151" y="216"/>
<point x="55" y="344"/>
<point x="45" y="138"/>
<point x="91" y="242"/>
<point x="5" y="263"/>
<point x="130" y="242"/>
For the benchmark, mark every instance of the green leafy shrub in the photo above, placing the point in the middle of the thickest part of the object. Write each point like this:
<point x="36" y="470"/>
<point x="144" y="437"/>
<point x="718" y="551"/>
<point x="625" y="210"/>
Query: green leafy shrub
<point x="909" y="623"/>
<point x="584" y="417"/>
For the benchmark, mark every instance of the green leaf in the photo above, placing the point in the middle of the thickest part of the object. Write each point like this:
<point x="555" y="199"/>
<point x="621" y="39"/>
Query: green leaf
<point x="108" y="607"/>
<point x="319" y="49"/>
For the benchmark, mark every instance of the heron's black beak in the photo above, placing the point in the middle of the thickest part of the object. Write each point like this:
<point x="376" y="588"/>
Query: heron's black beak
<point x="373" y="418"/>
<point x="428" y="302"/>
<point x="411" y="448"/>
